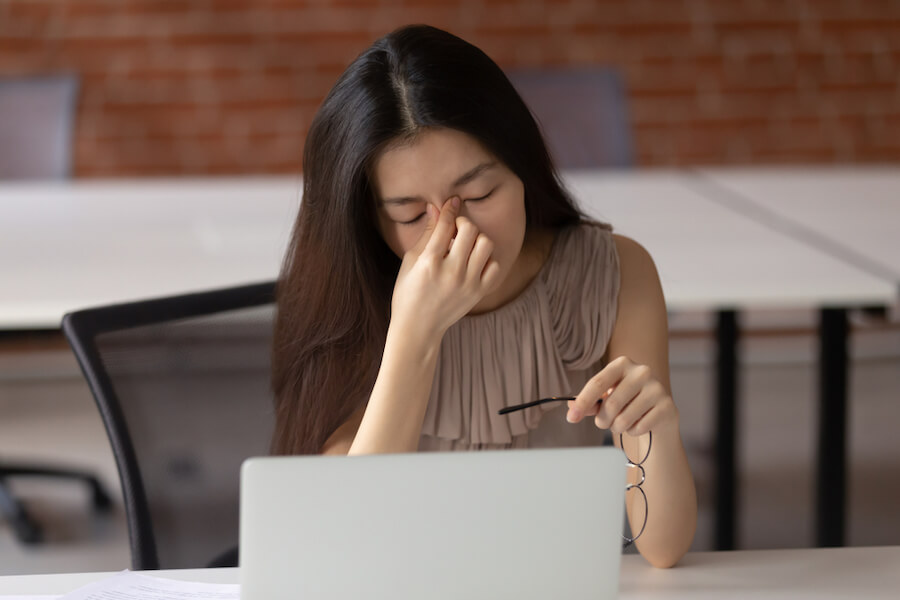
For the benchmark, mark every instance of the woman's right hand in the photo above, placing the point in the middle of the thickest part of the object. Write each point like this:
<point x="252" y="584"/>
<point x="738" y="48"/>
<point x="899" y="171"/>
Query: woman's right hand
<point x="439" y="281"/>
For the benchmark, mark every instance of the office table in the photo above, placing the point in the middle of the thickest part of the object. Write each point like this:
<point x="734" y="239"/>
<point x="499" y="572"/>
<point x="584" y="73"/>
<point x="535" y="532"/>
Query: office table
<point x="852" y="214"/>
<point x="65" y="246"/>
<point x="85" y="243"/>
<point x="849" y="212"/>
<point x="821" y="573"/>
<point x="713" y="257"/>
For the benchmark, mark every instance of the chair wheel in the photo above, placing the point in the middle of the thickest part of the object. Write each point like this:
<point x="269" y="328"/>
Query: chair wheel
<point x="26" y="530"/>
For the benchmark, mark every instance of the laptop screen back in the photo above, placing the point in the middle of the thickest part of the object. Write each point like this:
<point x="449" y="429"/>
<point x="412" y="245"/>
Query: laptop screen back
<point x="510" y="524"/>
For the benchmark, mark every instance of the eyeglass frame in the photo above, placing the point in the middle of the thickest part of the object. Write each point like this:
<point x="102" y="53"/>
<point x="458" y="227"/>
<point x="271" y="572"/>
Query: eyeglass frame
<point x="630" y="464"/>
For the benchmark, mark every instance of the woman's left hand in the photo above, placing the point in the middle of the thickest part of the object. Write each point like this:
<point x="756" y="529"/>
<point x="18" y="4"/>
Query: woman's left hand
<point x="624" y="397"/>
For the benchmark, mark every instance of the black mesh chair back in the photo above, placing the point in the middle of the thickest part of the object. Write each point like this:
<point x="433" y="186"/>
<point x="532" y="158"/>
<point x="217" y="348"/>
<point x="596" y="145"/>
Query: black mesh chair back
<point x="183" y="387"/>
<point x="582" y="113"/>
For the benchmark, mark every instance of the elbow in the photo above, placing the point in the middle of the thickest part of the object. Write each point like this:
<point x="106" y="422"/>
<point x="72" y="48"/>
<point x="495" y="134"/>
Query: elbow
<point x="667" y="555"/>
<point x="663" y="561"/>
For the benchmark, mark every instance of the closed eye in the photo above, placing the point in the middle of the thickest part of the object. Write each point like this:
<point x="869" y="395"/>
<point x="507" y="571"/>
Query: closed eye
<point x="485" y="197"/>
<point x="418" y="218"/>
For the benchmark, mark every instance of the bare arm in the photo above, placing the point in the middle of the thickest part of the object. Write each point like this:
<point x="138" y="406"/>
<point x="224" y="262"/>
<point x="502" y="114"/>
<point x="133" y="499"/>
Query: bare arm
<point x="637" y="398"/>
<point x="392" y="422"/>
<point x="641" y="334"/>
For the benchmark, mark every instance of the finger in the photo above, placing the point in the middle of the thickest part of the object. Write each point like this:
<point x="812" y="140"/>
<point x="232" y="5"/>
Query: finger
<point x="634" y="410"/>
<point x="482" y="250"/>
<point x="648" y="421"/>
<point x="466" y="234"/>
<point x="631" y="385"/>
<point x="444" y="228"/>
<point x="576" y="413"/>
<point x="596" y="389"/>
<point x="490" y="276"/>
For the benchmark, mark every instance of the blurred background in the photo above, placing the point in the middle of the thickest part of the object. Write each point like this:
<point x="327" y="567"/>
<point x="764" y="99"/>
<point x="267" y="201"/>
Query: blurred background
<point x="229" y="88"/>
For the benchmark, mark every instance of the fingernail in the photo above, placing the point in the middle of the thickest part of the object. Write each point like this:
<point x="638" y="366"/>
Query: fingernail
<point x="455" y="202"/>
<point x="573" y="415"/>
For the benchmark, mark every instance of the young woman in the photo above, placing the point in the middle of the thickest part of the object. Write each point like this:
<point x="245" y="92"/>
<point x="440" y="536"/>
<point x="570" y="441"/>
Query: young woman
<point x="439" y="272"/>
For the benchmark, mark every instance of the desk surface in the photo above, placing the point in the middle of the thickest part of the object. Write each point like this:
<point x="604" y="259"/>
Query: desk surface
<point x="710" y="257"/>
<point x="853" y="212"/>
<point x="65" y="246"/>
<point x="812" y="573"/>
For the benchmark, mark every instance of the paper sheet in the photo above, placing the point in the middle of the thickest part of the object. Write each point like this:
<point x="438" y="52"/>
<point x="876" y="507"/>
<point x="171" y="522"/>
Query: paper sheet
<point x="129" y="585"/>
<point x="2" y="597"/>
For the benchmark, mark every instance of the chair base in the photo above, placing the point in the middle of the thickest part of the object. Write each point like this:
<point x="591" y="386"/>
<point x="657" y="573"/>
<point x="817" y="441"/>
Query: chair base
<point x="25" y="528"/>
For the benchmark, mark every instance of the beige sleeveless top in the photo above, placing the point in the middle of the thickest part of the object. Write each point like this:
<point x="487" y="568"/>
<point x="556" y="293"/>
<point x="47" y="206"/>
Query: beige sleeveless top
<point x="548" y="341"/>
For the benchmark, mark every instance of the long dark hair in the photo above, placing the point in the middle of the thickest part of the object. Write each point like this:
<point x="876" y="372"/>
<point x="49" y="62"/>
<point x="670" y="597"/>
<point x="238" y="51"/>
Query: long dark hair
<point x="336" y="283"/>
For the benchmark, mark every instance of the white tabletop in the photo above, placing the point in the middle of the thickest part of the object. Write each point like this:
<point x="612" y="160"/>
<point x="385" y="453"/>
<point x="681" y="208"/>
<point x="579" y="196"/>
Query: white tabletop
<point x="66" y="246"/>
<point x="711" y="257"/>
<point x="854" y="210"/>
<point x="811" y="573"/>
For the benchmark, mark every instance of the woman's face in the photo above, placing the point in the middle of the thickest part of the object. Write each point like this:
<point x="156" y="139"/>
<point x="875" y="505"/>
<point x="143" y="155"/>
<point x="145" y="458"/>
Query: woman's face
<point x="437" y="165"/>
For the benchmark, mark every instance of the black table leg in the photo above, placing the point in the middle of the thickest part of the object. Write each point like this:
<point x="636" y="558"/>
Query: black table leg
<point x="726" y="429"/>
<point x="831" y="476"/>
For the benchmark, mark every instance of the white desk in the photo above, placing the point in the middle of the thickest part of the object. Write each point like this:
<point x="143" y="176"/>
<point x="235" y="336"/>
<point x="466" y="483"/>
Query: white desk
<point x="851" y="212"/>
<point x="87" y="243"/>
<point x="711" y="257"/>
<point x="65" y="246"/>
<point x="821" y="573"/>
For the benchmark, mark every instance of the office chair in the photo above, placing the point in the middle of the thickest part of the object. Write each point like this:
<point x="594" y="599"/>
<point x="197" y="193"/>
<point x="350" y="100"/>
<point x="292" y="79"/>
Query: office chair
<point x="183" y="387"/>
<point x="582" y="113"/>
<point x="37" y="116"/>
<point x="36" y="122"/>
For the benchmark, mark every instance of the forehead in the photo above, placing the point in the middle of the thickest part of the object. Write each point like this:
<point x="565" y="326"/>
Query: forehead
<point x="430" y="162"/>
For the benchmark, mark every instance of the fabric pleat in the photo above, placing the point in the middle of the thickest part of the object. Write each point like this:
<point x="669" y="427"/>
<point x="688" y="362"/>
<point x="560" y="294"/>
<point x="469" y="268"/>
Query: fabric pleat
<point x="548" y="341"/>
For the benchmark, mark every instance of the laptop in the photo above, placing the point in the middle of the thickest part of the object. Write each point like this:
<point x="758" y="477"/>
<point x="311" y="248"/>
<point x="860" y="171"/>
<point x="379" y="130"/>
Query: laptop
<point x="502" y="524"/>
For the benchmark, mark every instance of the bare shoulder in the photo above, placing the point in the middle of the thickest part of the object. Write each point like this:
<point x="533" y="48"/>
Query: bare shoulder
<point x="641" y="328"/>
<point x="636" y="266"/>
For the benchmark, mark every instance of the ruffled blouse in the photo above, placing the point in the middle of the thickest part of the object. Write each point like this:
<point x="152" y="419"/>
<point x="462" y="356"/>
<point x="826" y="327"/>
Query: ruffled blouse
<point x="548" y="341"/>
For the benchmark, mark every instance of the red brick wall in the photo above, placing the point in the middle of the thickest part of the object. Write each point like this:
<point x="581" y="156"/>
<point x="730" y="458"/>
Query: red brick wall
<point x="230" y="86"/>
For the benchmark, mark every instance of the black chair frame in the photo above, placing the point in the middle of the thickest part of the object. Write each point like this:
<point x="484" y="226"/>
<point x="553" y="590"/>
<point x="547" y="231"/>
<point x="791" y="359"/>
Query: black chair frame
<point x="81" y="329"/>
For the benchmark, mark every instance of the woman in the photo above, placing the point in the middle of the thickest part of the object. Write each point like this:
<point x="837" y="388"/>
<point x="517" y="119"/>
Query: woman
<point x="439" y="272"/>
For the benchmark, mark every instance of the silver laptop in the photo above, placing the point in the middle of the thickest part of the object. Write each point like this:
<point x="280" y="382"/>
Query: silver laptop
<point x="516" y="524"/>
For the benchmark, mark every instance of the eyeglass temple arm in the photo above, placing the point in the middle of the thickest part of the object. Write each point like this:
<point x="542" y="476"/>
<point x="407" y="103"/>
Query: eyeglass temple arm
<point x="516" y="407"/>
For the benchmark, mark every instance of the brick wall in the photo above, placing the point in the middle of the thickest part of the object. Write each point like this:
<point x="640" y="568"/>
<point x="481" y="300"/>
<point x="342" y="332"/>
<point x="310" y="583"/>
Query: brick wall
<point x="230" y="86"/>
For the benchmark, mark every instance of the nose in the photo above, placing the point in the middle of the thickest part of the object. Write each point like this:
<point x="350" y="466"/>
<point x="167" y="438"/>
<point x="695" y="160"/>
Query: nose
<point x="439" y="204"/>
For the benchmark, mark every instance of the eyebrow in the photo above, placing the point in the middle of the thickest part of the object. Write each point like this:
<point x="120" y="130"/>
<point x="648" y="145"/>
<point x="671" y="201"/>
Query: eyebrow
<point x="462" y="180"/>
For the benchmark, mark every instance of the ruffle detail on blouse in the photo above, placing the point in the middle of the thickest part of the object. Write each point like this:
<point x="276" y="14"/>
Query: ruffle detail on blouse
<point x="522" y="351"/>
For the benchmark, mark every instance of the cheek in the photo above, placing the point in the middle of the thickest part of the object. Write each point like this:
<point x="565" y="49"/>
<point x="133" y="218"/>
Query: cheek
<point x="400" y="238"/>
<point x="504" y="224"/>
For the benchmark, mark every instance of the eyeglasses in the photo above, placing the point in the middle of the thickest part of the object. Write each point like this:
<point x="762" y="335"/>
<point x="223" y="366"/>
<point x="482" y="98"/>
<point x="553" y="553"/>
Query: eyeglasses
<point x="631" y="464"/>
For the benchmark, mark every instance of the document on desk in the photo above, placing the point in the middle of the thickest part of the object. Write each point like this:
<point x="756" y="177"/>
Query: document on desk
<point x="129" y="585"/>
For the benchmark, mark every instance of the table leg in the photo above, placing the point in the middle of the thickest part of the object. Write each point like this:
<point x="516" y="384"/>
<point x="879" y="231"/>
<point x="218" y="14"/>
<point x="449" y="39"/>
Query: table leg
<point x="831" y="475"/>
<point x="726" y="429"/>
